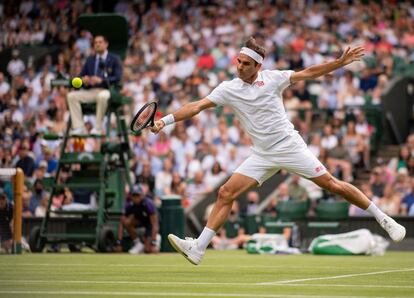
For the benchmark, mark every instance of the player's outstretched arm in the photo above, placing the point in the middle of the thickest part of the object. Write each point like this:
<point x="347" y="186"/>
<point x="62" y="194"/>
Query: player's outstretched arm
<point x="185" y="112"/>
<point x="350" y="55"/>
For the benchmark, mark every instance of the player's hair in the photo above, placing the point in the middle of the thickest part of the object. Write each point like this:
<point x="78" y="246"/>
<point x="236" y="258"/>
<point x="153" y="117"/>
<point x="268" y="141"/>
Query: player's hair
<point x="252" y="44"/>
<point x="100" y="35"/>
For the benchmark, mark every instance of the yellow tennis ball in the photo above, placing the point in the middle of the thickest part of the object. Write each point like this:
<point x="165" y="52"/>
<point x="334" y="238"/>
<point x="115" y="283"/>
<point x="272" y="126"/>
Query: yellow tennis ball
<point x="77" y="82"/>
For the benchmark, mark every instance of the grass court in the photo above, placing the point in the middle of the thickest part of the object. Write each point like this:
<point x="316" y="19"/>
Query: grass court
<point x="221" y="274"/>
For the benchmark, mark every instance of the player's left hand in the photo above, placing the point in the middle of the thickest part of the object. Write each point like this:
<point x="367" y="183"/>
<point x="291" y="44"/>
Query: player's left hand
<point x="351" y="54"/>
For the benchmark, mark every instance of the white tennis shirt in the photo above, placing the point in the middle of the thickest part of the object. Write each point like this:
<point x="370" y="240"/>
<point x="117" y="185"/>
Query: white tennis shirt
<point x="259" y="107"/>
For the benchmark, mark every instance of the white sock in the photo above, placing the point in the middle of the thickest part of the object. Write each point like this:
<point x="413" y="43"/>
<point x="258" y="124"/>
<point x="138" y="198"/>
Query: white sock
<point x="374" y="210"/>
<point x="205" y="237"/>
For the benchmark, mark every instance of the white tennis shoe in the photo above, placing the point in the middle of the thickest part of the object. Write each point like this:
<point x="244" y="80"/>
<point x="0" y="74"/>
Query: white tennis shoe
<point x="188" y="248"/>
<point x="394" y="229"/>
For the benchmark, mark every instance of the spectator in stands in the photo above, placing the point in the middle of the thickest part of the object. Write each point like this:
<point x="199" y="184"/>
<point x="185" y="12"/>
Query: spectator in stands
<point x="6" y="222"/>
<point x="283" y="193"/>
<point x="291" y="103"/>
<point x="140" y="211"/>
<point x="329" y="139"/>
<point x="329" y="90"/>
<point x="215" y="176"/>
<point x="42" y="208"/>
<point x="26" y="201"/>
<point x="51" y="161"/>
<point x="379" y="89"/>
<point x="178" y="186"/>
<point x="410" y="143"/>
<point x="354" y="144"/>
<point x="161" y="146"/>
<point x="99" y="70"/>
<point x="377" y="182"/>
<point x="407" y="203"/>
<point x="364" y="129"/>
<point x="197" y="188"/>
<point x="252" y="202"/>
<point x="4" y="85"/>
<point x="339" y="161"/>
<point x="37" y="195"/>
<point x="192" y="166"/>
<point x="389" y="203"/>
<point x="410" y="165"/>
<point x="315" y="145"/>
<point x="163" y="179"/>
<point x="146" y="176"/>
<point x="15" y="66"/>
<point x="296" y="191"/>
<point x="26" y="162"/>
<point x="348" y="89"/>
<point x="402" y="160"/>
<point x="304" y="96"/>
<point x="402" y="183"/>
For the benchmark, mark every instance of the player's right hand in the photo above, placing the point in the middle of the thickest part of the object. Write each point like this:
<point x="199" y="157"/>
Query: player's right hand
<point x="158" y="125"/>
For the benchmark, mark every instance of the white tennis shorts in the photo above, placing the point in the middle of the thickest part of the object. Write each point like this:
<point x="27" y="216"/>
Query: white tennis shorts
<point x="295" y="158"/>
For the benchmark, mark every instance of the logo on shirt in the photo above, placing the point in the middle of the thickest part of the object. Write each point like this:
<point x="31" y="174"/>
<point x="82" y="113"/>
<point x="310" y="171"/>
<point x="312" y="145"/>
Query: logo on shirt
<point x="260" y="84"/>
<point x="318" y="169"/>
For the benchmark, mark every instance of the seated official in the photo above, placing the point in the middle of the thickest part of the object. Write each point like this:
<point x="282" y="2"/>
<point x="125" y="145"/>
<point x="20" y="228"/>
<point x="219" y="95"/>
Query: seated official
<point x="140" y="212"/>
<point x="99" y="70"/>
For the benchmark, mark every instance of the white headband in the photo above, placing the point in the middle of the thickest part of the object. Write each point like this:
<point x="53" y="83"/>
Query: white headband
<point x="252" y="54"/>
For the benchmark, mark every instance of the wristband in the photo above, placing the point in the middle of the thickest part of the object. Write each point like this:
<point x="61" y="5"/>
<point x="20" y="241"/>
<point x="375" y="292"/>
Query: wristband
<point x="169" y="119"/>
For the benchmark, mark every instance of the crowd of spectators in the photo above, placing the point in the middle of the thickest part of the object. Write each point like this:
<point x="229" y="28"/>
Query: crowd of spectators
<point x="178" y="51"/>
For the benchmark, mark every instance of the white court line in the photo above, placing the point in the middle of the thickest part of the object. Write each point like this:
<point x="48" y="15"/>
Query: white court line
<point x="179" y="283"/>
<point x="161" y="265"/>
<point x="179" y="294"/>
<point x="169" y="265"/>
<point x="333" y="277"/>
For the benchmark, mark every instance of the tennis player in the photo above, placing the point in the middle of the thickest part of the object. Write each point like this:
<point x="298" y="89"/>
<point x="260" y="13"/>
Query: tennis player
<point x="256" y="98"/>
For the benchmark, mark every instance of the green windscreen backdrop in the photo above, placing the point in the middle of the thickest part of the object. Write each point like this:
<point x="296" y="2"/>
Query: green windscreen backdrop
<point x="113" y="26"/>
<point x="398" y="104"/>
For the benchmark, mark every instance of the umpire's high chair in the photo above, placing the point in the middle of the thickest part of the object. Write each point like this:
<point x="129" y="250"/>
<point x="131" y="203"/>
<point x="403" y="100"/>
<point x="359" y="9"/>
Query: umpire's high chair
<point x="103" y="174"/>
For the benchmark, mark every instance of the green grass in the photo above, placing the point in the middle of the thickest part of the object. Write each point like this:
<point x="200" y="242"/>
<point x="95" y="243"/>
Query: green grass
<point x="222" y="274"/>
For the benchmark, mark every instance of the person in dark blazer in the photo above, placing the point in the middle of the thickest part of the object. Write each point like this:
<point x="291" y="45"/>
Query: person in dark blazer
<point x="99" y="72"/>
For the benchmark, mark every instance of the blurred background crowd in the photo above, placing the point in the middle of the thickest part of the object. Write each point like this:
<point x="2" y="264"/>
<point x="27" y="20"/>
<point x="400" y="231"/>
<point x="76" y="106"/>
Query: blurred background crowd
<point x="178" y="52"/>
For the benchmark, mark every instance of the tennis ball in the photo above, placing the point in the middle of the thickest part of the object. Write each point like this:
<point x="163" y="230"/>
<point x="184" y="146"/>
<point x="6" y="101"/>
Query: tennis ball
<point x="77" y="82"/>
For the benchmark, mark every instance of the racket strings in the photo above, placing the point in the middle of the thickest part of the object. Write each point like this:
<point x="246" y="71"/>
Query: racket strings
<point x="144" y="116"/>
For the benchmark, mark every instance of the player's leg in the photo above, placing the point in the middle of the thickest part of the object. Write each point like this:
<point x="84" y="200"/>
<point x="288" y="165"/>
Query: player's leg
<point x="230" y="191"/>
<point x="356" y="197"/>
<point x="253" y="171"/>
<point x="304" y="163"/>
<point x="346" y="190"/>
<point x="193" y="249"/>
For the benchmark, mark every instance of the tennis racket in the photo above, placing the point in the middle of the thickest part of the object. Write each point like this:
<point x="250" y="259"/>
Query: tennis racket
<point x="144" y="117"/>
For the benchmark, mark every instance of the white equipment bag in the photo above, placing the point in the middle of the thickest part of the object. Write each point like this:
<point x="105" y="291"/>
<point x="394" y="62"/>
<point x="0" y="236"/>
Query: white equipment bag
<point x="359" y="242"/>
